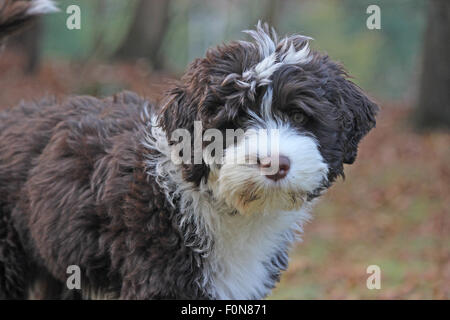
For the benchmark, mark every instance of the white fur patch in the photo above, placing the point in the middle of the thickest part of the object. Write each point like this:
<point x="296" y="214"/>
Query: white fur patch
<point x="244" y="246"/>
<point x="273" y="55"/>
<point x="243" y="186"/>
<point x="266" y="104"/>
<point x="291" y="56"/>
<point x="41" y="7"/>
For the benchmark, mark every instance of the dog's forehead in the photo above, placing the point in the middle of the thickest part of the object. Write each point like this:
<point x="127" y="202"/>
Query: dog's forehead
<point x="272" y="53"/>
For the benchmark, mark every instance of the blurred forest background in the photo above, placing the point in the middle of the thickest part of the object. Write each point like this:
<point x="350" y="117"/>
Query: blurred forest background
<point x="393" y="208"/>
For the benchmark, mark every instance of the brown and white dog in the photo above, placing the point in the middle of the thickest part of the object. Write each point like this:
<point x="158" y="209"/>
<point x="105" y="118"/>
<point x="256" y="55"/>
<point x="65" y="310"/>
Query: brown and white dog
<point x="93" y="183"/>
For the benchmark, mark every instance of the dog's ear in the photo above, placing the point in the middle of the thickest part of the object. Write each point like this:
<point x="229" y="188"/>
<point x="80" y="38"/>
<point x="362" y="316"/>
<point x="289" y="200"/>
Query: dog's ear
<point x="358" y="116"/>
<point x="354" y="109"/>
<point x="180" y="111"/>
<point x="176" y="112"/>
<point x="182" y="106"/>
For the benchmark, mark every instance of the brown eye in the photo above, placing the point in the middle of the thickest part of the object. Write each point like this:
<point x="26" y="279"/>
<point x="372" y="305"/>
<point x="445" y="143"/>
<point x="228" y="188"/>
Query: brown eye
<point x="299" y="118"/>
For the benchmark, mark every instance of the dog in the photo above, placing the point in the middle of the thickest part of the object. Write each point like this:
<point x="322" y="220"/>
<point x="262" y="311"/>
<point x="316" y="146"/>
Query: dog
<point x="92" y="183"/>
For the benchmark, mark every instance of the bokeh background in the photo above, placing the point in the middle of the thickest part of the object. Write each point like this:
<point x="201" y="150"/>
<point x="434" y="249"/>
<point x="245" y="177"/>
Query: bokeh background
<point x="392" y="210"/>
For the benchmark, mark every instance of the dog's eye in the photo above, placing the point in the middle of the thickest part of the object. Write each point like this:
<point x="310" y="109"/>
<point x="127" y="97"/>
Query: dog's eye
<point x="300" y="118"/>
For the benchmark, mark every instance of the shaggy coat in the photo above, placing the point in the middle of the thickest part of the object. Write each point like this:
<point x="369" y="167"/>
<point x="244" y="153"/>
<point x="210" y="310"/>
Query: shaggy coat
<point x="75" y="192"/>
<point x="90" y="182"/>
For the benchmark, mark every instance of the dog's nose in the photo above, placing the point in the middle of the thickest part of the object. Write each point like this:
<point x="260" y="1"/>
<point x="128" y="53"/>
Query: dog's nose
<point x="284" y="164"/>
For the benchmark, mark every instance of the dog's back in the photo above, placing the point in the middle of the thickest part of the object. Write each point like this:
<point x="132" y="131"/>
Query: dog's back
<point x="26" y="130"/>
<point x="46" y="150"/>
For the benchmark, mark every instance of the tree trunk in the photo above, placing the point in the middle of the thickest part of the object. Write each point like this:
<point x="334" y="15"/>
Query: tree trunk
<point x="271" y="12"/>
<point x="433" y="109"/>
<point x="146" y="34"/>
<point x="29" y="42"/>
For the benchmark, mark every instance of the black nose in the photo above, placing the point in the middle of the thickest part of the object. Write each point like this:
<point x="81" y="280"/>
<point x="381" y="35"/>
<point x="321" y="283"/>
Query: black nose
<point x="284" y="164"/>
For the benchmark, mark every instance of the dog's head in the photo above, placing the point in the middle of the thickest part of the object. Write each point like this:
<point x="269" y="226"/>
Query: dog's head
<point x="295" y="116"/>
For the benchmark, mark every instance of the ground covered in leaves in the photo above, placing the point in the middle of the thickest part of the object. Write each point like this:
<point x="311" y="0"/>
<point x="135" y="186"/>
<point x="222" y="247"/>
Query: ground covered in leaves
<point x="392" y="210"/>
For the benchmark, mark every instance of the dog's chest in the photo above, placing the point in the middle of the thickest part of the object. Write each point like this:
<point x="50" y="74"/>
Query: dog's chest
<point x="244" y="247"/>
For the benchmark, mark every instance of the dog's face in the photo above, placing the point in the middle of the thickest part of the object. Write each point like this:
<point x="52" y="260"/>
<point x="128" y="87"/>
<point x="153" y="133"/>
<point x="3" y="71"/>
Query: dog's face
<point x="268" y="86"/>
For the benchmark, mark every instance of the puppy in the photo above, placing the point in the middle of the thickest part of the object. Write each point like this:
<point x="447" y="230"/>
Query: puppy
<point x="107" y="185"/>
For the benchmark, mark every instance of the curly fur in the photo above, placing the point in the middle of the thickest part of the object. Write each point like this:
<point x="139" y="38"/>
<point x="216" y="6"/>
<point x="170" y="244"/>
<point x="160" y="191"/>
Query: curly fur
<point x="90" y="182"/>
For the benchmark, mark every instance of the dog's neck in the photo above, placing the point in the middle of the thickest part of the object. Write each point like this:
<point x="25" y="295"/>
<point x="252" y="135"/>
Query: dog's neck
<point x="243" y="254"/>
